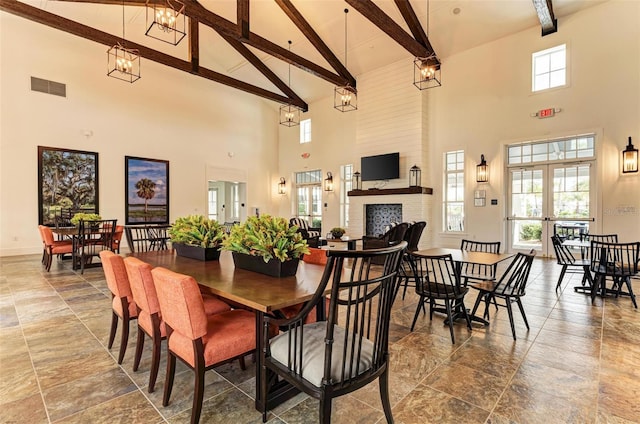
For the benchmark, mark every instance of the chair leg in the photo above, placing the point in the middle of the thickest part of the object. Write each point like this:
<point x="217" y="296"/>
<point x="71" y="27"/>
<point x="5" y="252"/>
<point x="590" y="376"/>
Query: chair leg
<point x="155" y="363"/>
<point x="477" y="303"/>
<point x="510" y="311"/>
<point x="447" y="304"/>
<point x="139" y="347"/>
<point x="415" y="317"/>
<point x="124" y="339"/>
<point x="168" y="381"/>
<point x="524" y="317"/>
<point x="243" y="366"/>
<point x="114" y="327"/>
<point x="466" y="314"/>
<point x="49" y="259"/>
<point x="198" y="394"/>
<point x="564" y="269"/>
<point x="384" y="395"/>
<point x="627" y="281"/>
<point x="325" y="411"/>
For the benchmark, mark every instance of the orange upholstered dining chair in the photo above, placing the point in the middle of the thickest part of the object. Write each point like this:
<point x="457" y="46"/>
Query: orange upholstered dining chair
<point x="122" y="305"/>
<point x="117" y="238"/>
<point x="149" y="315"/>
<point x="53" y="247"/>
<point x="201" y="341"/>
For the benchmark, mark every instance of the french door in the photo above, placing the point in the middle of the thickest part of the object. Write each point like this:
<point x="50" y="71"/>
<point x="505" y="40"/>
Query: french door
<point x="547" y="199"/>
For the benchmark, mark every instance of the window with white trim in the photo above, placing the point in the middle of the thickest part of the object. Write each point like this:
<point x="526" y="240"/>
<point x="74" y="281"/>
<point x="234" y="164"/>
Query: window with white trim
<point x="305" y="131"/>
<point x="453" y="192"/>
<point x="549" y="68"/>
<point x="346" y="185"/>
<point x="309" y="197"/>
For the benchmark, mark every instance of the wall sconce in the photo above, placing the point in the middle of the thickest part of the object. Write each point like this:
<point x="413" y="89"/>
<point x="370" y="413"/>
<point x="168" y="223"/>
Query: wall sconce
<point x="328" y="182"/>
<point x="629" y="159"/>
<point x="282" y="186"/>
<point x="357" y="184"/>
<point x="482" y="171"/>
<point x="415" y="175"/>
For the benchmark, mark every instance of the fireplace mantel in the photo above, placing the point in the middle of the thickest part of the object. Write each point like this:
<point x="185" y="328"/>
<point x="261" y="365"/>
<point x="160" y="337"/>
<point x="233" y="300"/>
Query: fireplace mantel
<point x="388" y="191"/>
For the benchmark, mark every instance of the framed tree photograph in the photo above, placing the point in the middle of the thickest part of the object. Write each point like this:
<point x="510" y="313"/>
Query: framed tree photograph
<point x="146" y="191"/>
<point x="67" y="184"/>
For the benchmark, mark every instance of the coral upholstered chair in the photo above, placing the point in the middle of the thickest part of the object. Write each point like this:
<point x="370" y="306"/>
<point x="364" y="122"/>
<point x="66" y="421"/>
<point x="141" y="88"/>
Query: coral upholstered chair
<point x="52" y="247"/>
<point x="201" y="341"/>
<point x="122" y="303"/>
<point x="149" y="316"/>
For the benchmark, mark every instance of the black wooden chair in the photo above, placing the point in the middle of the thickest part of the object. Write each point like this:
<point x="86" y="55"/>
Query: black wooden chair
<point x="93" y="237"/>
<point x="570" y="264"/>
<point x="349" y="349"/>
<point x="619" y="261"/>
<point x="479" y="272"/>
<point x="510" y="287"/>
<point x="412" y="237"/>
<point x="394" y="234"/>
<point x="145" y="238"/>
<point x="439" y="280"/>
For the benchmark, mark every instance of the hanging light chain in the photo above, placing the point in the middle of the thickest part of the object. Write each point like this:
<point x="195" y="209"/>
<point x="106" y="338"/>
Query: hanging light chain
<point x="345" y="36"/>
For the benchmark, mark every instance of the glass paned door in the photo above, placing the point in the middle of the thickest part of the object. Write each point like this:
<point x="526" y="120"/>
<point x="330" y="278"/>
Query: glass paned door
<point x="572" y="190"/>
<point x="527" y="209"/>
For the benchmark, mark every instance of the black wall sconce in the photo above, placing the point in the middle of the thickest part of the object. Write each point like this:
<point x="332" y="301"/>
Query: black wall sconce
<point x="482" y="171"/>
<point x="328" y="182"/>
<point x="282" y="186"/>
<point x="415" y="175"/>
<point x="357" y="184"/>
<point x="629" y="159"/>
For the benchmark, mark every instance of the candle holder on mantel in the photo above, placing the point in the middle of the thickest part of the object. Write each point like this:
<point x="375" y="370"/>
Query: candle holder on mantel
<point x="415" y="175"/>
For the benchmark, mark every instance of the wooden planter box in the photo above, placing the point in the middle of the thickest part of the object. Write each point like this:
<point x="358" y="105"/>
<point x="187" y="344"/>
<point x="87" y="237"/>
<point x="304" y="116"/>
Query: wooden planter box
<point x="274" y="267"/>
<point x="197" y="252"/>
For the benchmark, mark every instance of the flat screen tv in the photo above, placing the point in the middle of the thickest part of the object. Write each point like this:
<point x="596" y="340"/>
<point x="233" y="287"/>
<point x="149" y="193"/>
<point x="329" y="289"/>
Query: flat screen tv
<point x="380" y="167"/>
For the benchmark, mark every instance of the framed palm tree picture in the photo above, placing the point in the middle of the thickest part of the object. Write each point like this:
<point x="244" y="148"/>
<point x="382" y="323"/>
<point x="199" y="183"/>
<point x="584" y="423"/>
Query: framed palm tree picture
<point x="67" y="184"/>
<point x="146" y="191"/>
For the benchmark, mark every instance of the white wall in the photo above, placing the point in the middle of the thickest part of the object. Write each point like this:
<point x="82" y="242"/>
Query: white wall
<point x="192" y="122"/>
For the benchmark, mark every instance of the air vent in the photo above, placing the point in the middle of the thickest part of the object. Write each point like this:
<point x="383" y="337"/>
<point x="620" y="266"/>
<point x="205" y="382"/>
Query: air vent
<point x="49" y="87"/>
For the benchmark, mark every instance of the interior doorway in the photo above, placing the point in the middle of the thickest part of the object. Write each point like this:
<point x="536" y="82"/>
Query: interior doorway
<point x="227" y="201"/>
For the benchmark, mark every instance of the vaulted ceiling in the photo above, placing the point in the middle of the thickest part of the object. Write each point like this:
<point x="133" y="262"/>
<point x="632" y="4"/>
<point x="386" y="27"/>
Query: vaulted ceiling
<point x="244" y="43"/>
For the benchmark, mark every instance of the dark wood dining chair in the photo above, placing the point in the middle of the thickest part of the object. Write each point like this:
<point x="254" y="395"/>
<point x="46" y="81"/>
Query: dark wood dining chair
<point x="510" y="288"/>
<point x="412" y="237"/>
<point x="93" y="237"/>
<point x="620" y="262"/>
<point x="440" y="281"/>
<point x="348" y="350"/>
<point x="470" y="271"/>
<point x="570" y="264"/>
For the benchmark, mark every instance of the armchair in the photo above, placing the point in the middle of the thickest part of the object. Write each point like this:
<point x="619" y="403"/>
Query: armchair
<point x="394" y="234"/>
<point x="310" y="234"/>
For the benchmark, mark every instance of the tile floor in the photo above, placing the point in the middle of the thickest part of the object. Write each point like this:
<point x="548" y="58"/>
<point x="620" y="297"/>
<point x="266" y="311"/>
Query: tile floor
<point x="579" y="363"/>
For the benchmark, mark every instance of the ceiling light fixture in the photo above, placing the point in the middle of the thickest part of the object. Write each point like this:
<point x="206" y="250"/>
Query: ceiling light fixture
<point x="345" y="97"/>
<point x="166" y="21"/>
<point x="289" y="114"/>
<point x="426" y="70"/>
<point x="123" y="63"/>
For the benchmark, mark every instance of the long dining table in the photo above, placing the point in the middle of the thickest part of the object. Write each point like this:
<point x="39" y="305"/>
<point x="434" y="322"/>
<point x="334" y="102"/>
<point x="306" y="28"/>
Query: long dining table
<point x="461" y="257"/>
<point x="259" y="293"/>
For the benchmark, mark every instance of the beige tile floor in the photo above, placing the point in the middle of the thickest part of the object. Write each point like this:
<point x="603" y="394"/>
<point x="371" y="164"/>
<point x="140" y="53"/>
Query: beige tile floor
<point x="579" y="363"/>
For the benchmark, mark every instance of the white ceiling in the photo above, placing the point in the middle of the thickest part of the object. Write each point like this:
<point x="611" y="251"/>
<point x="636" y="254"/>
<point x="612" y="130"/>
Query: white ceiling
<point x="477" y="22"/>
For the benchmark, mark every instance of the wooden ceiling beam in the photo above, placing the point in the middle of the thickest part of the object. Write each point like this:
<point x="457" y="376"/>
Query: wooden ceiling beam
<point x="243" y="17"/>
<point x="296" y="17"/>
<point x="544" y="9"/>
<point x="374" y="14"/>
<point x="222" y="25"/>
<point x="413" y="23"/>
<point x="63" y="24"/>
<point x="194" y="45"/>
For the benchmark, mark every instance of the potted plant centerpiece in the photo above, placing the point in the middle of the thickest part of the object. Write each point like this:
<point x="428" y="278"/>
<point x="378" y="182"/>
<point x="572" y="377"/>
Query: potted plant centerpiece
<point x="337" y="232"/>
<point x="267" y="245"/>
<point x="197" y="237"/>
<point x="83" y="216"/>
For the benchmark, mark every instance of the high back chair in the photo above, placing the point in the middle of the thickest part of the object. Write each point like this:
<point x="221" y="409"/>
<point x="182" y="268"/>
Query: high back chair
<point x="620" y="261"/>
<point x="122" y="305"/>
<point x="471" y="271"/>
<point x="93" y="238"/>
<point x="117" y="238"/>
<point x="569" y="263"/>
<point x="52" y="247"/>
<point x="439" y="281"/>
<point x="412" y="237"/>
<point x="333" y="357"/>
<point x="199" y="340"/>
<point x="150" y="320"/>
<point x="510" y="287"/>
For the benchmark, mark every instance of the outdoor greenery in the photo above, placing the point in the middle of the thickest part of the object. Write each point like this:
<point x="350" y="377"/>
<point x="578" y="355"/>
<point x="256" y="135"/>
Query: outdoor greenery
<point x="531" y="232"/>
<point x="266" y="236"/>
<point x="146" y="190"/>
<point x="81" y="216"/>
<point x="197" y="230"/>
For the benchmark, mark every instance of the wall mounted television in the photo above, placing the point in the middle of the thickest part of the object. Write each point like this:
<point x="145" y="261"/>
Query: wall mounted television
<point x="380" y="167"/>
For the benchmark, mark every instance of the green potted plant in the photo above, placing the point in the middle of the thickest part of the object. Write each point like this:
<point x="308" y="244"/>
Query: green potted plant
<point x="83" y="216"/>
<point x="337" y="232"/>
<point x="197" y="237"/>
<point x="267" y="245"/>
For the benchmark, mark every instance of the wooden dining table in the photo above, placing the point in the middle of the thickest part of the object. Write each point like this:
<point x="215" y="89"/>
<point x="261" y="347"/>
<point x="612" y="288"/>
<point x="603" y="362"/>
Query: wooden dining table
<point x="461" y="257"/>
<point x="260" y="293"/>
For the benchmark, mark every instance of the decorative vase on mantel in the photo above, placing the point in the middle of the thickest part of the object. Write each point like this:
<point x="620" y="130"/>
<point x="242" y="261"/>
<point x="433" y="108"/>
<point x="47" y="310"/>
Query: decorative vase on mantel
<point x="274" y="267"/>
<point x="197" y="252"/>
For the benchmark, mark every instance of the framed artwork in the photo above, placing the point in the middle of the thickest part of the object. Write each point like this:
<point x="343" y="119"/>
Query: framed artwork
<point x="146" y="191"/>
<point x="67" y="184"/>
